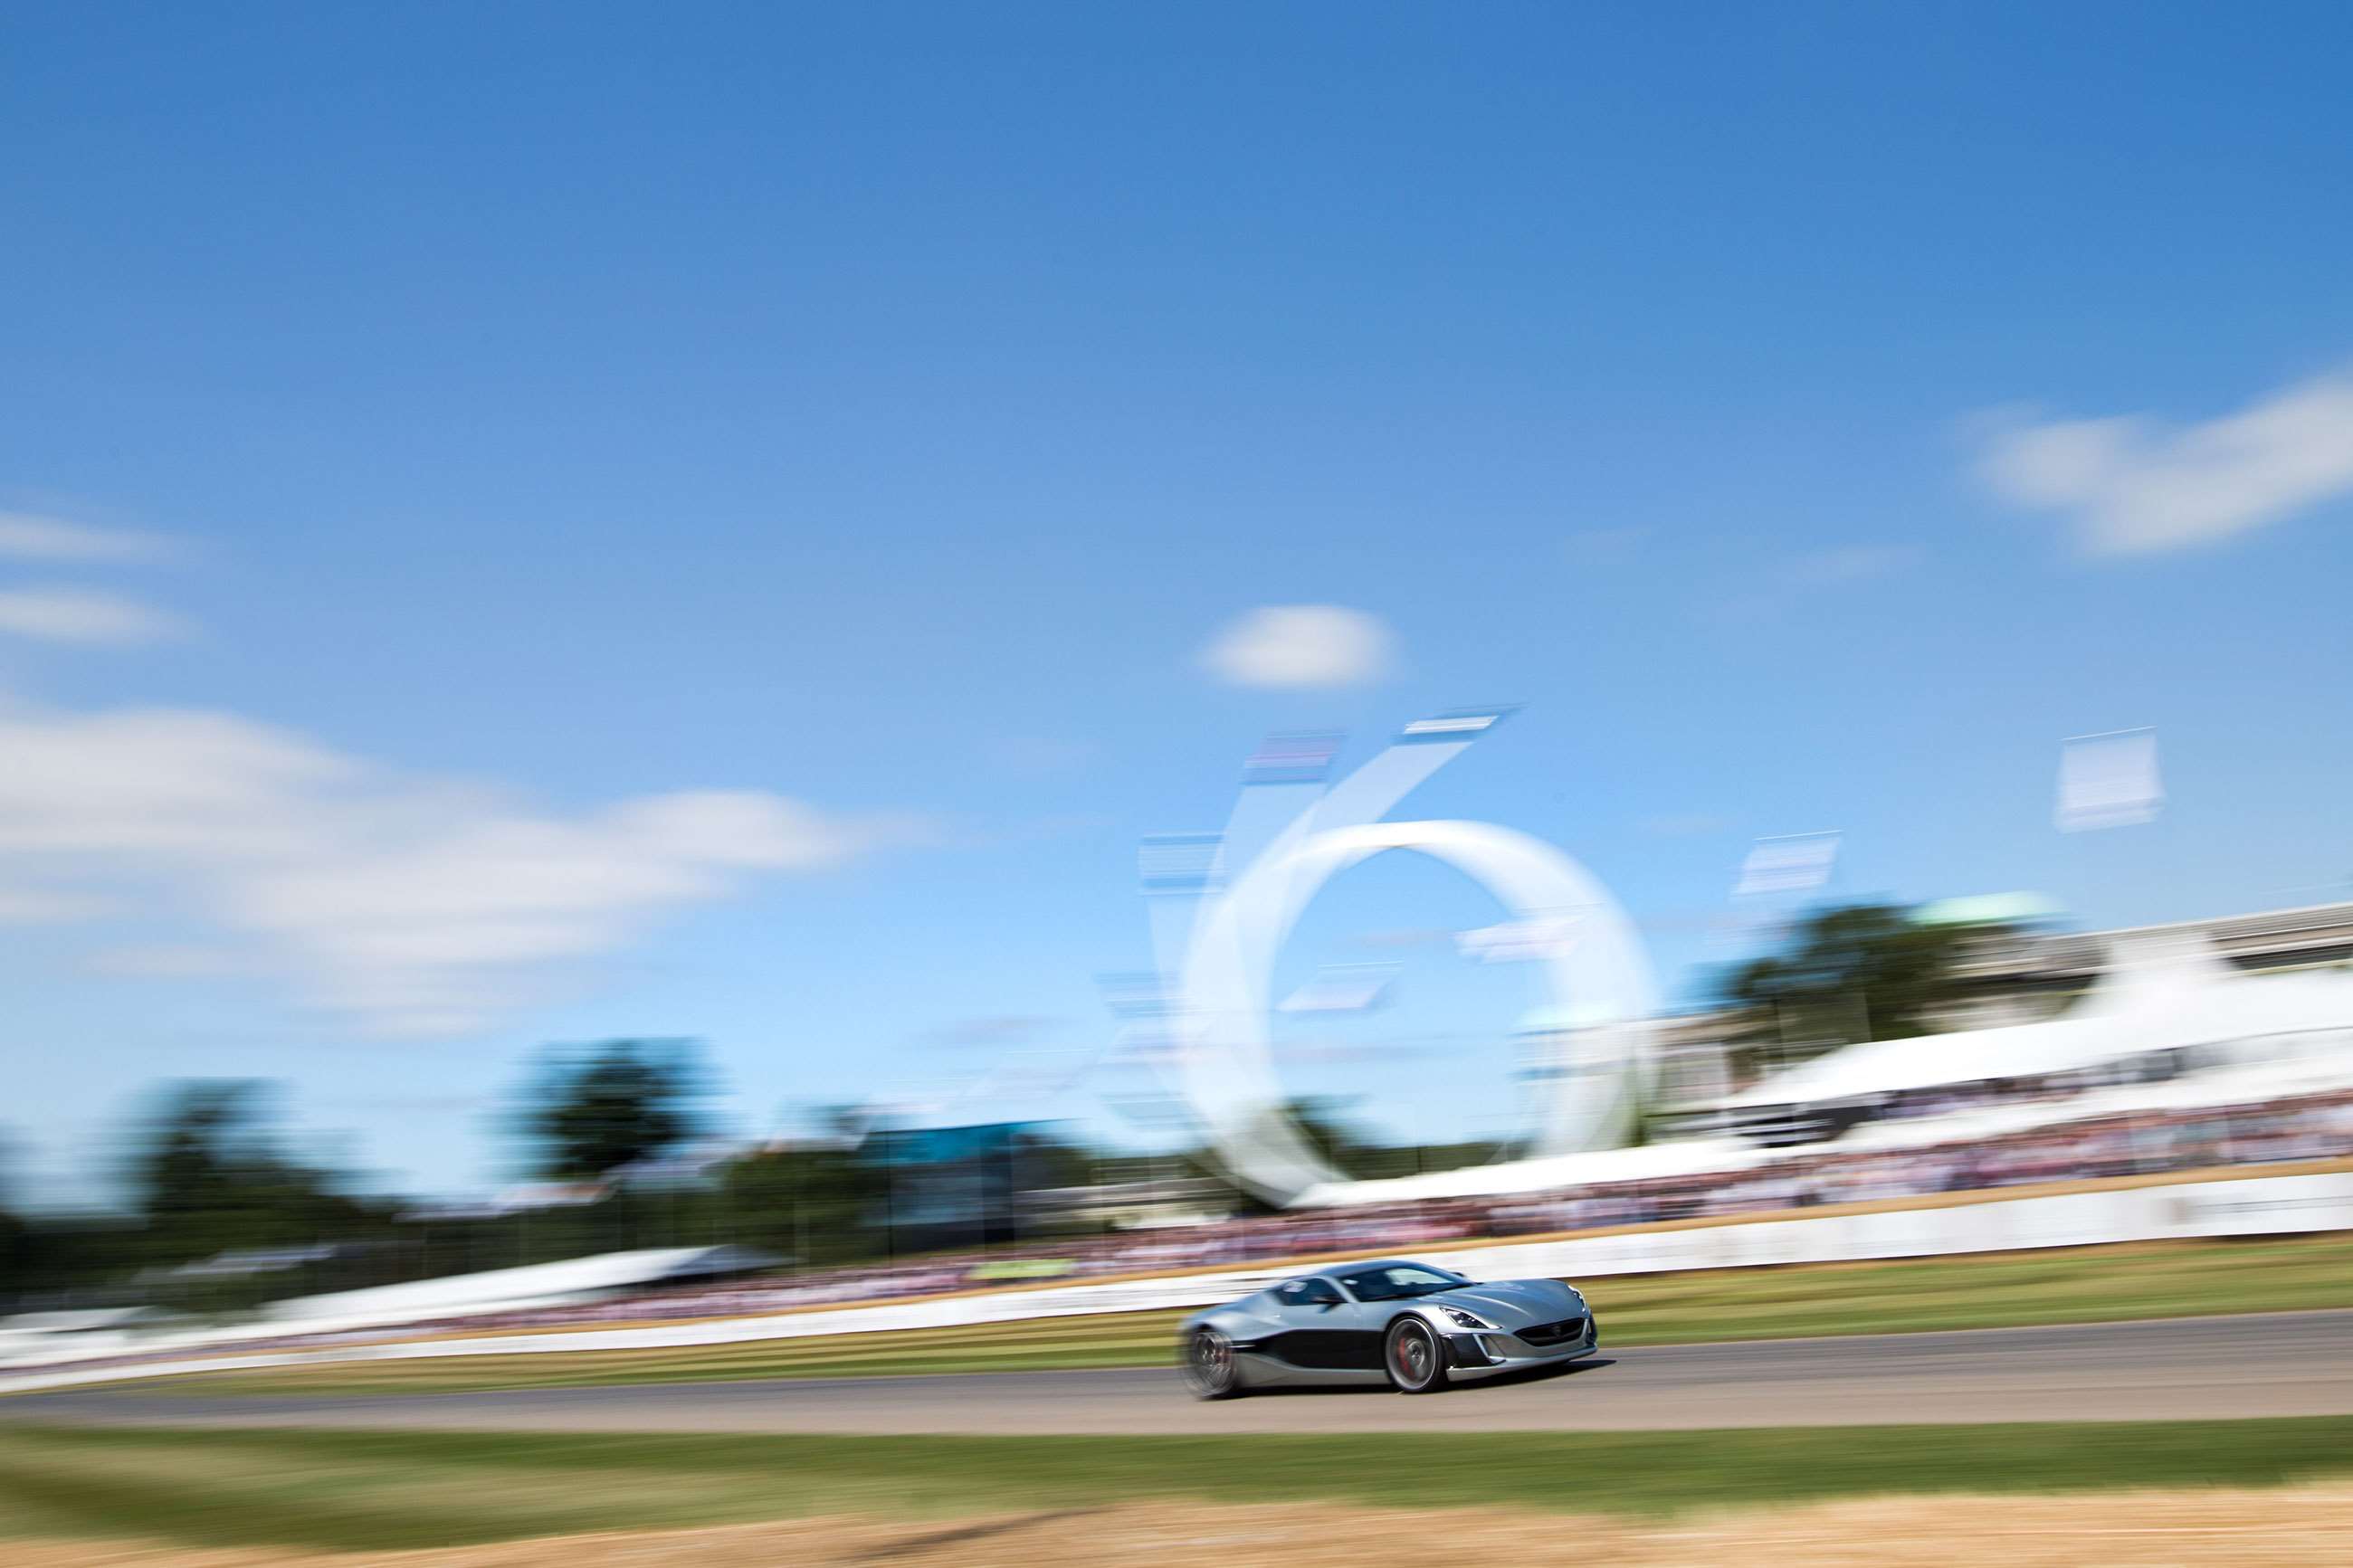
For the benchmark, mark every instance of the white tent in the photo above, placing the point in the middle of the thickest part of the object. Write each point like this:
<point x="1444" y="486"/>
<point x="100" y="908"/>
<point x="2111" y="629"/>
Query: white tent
<point x="512" y="1289"/>
<point x="2158" y="993"/>
<point x="2259" y="1039"/>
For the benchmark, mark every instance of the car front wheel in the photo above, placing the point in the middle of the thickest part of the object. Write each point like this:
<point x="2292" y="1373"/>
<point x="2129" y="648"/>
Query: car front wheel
<point x="1416" y="1357"/>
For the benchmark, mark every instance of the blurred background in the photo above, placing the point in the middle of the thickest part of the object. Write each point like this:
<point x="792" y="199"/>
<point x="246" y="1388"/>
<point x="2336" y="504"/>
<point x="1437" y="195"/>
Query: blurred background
<point x="634" y="645"/>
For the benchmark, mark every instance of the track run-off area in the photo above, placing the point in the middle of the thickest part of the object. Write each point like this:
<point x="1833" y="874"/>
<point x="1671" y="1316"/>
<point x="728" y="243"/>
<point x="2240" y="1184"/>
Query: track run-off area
<point x="2213" y="1368"/>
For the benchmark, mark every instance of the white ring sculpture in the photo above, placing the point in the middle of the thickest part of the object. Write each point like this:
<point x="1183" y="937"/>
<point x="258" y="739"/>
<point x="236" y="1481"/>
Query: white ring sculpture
<point x="1598" y="975"/>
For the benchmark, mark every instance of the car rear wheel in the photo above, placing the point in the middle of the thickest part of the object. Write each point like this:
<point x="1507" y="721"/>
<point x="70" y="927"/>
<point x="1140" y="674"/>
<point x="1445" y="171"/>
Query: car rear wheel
<point x="1416" y="1357"/>
<point x="1209" y="1370"/>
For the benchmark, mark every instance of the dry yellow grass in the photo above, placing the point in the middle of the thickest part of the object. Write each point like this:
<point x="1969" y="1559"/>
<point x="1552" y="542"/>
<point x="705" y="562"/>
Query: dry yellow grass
<point x="2264" y="1528"/>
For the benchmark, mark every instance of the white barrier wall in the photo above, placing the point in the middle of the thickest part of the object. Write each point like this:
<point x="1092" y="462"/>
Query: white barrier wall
<point x="2254" y="1206"/>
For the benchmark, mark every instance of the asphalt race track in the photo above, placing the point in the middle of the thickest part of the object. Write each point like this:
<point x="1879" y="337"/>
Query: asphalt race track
<point x="2287" y="1363"/>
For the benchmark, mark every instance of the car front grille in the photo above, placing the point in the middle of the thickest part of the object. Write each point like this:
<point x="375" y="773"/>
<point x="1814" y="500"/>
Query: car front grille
<point x="1567" y="1329"/>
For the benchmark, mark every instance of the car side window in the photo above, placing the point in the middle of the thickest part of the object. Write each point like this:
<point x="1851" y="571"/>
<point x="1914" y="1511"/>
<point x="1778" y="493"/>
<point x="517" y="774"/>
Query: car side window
<point x="1309" y="1293"/>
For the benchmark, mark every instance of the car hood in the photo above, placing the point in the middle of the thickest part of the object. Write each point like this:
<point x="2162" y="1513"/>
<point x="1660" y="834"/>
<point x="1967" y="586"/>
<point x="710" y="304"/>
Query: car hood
<point x="1514" y="1303"/>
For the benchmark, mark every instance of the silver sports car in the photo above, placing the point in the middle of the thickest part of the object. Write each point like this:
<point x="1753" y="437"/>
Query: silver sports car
<point x="1414" y="1324"/>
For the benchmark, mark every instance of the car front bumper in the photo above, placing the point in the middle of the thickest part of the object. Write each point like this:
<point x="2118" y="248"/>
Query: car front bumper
<point x="1484" y="1352"/>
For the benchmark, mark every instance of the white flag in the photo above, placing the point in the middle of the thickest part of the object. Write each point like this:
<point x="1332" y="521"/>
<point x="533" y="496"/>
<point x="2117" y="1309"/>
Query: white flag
<point x="1795" y="863"/>
<point x="1519" y="941"/>
<point x="1343" y="988"/>
<point x="2108" y="780"/>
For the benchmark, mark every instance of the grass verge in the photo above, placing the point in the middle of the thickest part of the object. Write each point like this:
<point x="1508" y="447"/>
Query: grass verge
<point x="2078" y="1285"/>
<point x="345" y="1489"/>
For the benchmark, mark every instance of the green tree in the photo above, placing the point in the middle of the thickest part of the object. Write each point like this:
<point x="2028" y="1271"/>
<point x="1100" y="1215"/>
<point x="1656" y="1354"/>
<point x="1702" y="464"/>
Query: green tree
<point x="212" y="1177"/>
<point x="1859" y="972"/>
<point x="1330" y="1127"/>
<point x="612" y="1105"/>
<point x="816" y="1203"/>
<point x="17" y="1257"/>
<point x="1326" y="1126"/>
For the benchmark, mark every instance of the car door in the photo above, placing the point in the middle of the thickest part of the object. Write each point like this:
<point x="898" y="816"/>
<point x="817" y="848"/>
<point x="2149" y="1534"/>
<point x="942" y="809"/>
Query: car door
<point x="1322" y="1328"/>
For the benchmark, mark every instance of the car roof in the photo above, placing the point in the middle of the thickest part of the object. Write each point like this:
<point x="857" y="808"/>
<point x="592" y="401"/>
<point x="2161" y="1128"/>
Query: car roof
<point x="1336" y="1269"/>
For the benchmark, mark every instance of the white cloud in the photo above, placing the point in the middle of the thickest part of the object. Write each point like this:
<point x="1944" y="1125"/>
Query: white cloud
<point x="46" y="906"/>
<point x="2134" y="486"/>
<point x="163" y="961"/>
<point x="1300" y="645"/>
<point x="24" y="537"/>
<point x="414" y="906"/>
<point x="80" y="616"/>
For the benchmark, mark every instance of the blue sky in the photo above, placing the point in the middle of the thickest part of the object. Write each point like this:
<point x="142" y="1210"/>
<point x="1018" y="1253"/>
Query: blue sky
<point x="533" y="523"/>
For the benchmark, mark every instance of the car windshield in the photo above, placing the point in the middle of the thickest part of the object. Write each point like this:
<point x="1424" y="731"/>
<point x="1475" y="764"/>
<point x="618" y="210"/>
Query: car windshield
<point x="1398" y="1280"/>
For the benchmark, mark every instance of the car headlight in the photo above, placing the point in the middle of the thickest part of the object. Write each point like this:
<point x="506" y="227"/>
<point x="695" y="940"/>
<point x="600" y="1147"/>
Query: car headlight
<point x="1464" y="1320"/>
